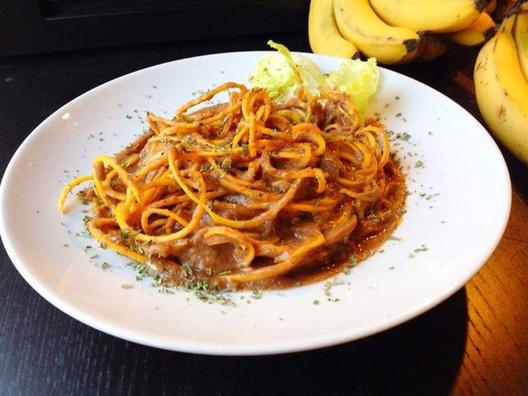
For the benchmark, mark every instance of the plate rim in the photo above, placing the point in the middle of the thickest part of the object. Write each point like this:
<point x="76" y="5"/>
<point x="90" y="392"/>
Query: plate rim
<point x="214" y="348"/>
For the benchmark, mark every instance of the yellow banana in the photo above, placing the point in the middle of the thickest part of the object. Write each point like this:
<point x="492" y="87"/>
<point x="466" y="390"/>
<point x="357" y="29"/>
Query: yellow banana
<point x="502" y="90"/>
<point x="358" y="23"/>
<point x="323" y="33"/>
<point x="490" y="8"/>
<point x="480" y="31"/>
<point x="431" y="48"/>
<point x="439" y="16"/>
<point x="521" y="37"/>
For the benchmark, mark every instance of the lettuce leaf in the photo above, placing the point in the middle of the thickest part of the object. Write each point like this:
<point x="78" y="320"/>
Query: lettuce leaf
<point x="313" y="78"/>
<point x="285" y="52"/>
<point x="282" y="73"/>
<point x="273" y="74"/>
<point x="360" y="80"/>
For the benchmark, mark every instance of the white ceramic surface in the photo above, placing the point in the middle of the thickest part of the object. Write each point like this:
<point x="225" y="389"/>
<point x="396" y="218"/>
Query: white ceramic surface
<point x="456" y="214"/>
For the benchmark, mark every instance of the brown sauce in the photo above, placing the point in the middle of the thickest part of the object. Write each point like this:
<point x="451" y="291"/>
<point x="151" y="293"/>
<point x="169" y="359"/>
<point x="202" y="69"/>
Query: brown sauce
<point x="206" y="262"/>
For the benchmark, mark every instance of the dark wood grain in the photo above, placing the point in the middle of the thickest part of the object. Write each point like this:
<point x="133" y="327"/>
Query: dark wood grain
<point x="497" y="349"/>
<point x="476" y="342"/>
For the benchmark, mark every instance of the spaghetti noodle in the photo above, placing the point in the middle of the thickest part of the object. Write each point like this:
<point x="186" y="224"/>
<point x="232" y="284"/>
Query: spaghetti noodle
<point x="248" y="193"/>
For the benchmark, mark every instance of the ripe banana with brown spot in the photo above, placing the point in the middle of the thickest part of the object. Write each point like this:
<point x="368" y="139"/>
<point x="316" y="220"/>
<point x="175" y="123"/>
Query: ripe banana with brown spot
<point x="502" y="90"/>
<point x="323" y="33"/>
<point x="480" y="31"/>
<point x="358" y="23"/>
<point x="431" y="48"/>
<point x="521" y="37"/>
<point x="439" y="16"/>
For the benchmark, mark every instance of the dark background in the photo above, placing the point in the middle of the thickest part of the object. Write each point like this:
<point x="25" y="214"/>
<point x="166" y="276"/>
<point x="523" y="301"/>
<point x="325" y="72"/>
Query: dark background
<point x="468" y="344"/>
<point x="33" y="26"/>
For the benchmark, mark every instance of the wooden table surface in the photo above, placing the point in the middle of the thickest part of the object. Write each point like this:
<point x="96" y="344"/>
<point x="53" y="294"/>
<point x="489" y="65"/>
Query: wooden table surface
<point x="476" y="342"/>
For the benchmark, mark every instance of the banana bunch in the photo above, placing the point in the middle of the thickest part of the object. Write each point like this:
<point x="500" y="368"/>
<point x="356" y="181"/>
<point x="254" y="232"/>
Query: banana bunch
<point x="397" y="31"/>
<point x="501" y="83"/>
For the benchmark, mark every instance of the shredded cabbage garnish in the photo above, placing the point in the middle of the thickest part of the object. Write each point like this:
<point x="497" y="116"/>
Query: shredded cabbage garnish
<point x="274" y="75"/>
<point x="360" y="80"/>
<point x="281" y="74"/>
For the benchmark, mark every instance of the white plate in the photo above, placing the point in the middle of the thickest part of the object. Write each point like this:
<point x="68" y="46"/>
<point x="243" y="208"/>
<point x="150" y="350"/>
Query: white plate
<point x="458" y="209"/>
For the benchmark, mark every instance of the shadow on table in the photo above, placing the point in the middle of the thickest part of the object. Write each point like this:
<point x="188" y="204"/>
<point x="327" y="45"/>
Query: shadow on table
<point x="422" y="356"/>
<point x="518" y="174"/>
